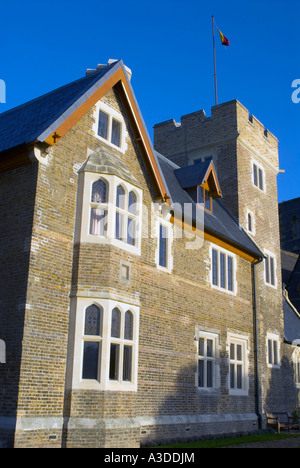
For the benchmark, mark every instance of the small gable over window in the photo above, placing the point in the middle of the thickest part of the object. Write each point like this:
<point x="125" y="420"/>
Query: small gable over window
<point x="201" y="183"/>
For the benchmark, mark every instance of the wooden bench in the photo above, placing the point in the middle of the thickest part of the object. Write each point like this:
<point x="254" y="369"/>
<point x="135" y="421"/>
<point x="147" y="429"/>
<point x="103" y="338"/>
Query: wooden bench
<point x="281" y="420"/>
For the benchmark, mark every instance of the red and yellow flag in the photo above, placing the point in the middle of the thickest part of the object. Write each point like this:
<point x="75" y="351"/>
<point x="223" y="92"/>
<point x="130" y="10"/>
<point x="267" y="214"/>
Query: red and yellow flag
<point x="224" y="39"/>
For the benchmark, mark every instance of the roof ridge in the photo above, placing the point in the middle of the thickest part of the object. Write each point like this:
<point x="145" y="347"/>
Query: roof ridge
<point x="27" y="103"/>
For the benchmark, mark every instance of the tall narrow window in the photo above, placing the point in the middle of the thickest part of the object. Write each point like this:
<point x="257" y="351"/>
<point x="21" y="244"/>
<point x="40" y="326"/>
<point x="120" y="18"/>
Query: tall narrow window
<point x="206" y="361"/>
<point x="270" y="269"/>
<point x="238" y="365"/>
<point x="258" y="176"/>
<point x="120" y="207"/>
<point x="103" y="125"/>
<point x="223" y="272"/>
<point x="126" y="216"/>
<point x="273" y="350"/>
<point x="99" y="212"/>
<point x="92" y="343"/>
<point x="116" y="133"/>
<point x="164" y="257"/>
<point x="121" y="346"/>
<point x="163" y="246"/>
<point x="132" y="221"/>
<point x="296" y="361"/>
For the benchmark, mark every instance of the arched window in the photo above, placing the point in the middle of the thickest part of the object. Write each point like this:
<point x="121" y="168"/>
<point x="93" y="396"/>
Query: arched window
<point x="105" y="345"/>
<point x="126" y="216"/>
<point x="132" y="221"/>
<point x="121" y="346"/>
<point x="99" y="212"/>
<point x="116" y="323"/>
<point x="91" y="367"/>
<point x="120" y="212"/>
<point x="128" y="333"/>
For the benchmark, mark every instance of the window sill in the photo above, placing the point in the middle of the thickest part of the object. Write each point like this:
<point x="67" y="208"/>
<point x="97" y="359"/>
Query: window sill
<point x="101" y="240"/>
<point x="106" y="386"/>
<point x="223" y="290"/>
<point x="236" y="392"/>
<point x="271" y="285"/>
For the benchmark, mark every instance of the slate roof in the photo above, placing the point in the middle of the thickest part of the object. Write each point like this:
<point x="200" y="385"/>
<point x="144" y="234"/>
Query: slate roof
<point x="220" y="222"/>
<point x="191" y="176"/>
<point x="293" y="286"/>
<point x="291" y="322"/>
<point x="288" y="262"/>
<point x="288" y="211"/>
<point x="36" y="119"/>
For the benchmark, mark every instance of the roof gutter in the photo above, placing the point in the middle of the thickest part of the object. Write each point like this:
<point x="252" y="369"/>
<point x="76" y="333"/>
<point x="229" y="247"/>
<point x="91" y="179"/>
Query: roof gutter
<point x="258" y="400"/>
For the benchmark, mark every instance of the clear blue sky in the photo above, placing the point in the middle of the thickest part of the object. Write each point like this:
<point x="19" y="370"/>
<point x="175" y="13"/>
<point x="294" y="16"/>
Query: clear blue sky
<point x="168" y="45"/>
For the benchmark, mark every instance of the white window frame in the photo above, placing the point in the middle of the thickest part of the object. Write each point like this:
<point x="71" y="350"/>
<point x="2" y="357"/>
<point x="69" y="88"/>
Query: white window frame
<point x="251" y="214"/>
<point x="269" y="255"/>
<point x="104" y="383"/>
<point x="227" y="254"/>
<point x="259" y="168"/>
<point x="170" y="234"/>
<point x="275" y="360"/>
<point x="296" y="363"/>
<point x="82" y="234"/>
<point x="214" y="337"/>
<point x="112" y="114"/>
<point x="243" y="341"/>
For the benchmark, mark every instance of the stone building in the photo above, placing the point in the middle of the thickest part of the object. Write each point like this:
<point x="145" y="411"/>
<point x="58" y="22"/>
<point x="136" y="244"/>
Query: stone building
<point x="141" y="294"/>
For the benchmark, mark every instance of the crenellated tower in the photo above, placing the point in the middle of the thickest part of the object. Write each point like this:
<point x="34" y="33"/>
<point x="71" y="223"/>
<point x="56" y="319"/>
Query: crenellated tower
<point x="245" y="155"/>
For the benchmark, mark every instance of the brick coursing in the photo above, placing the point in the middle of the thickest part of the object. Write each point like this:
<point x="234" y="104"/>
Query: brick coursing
<point x="38" y="323"/>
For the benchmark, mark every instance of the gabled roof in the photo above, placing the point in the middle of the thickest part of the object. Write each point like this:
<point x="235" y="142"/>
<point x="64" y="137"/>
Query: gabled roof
<point x="49" y="117"/>
<point x="199" y="174"/>
<point x="37" y="119"/>
<point x="220" y="223"/>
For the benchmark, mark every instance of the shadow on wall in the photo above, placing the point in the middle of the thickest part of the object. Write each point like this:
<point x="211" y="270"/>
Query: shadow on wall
<point x="187" y="413"/>
<point x="282" y="394"/>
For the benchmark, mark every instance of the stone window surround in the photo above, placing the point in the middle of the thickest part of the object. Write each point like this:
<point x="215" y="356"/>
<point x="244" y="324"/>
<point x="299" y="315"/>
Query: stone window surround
<point x="170" y="234"/>
<point x="270" y="254"/>
<point x="112" y="114"/>
<point x="259" y="167"/>
<point x="234" y="269"/>
<point x="202" y="332"/>
<point x="106" y="305"/>
<point x="274" y="338"/>
<point x="112" y="181"/>
<point x="296" y="362"/>
<point x="252" y="231"/>
<point x="233" y="338"/>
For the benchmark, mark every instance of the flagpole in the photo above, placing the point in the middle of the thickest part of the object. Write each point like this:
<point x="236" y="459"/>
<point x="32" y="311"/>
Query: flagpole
<point x="215" y="68"/>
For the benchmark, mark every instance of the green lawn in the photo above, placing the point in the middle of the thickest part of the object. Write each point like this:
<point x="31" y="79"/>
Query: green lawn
<point x="216" y="443"/>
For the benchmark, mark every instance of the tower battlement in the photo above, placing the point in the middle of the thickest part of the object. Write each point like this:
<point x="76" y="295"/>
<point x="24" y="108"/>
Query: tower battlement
<point x="183" y="141"/>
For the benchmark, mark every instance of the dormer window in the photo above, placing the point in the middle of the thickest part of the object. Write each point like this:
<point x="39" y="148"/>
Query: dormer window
<point x="200" y="182"/>
<point x="204" y="198"/>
